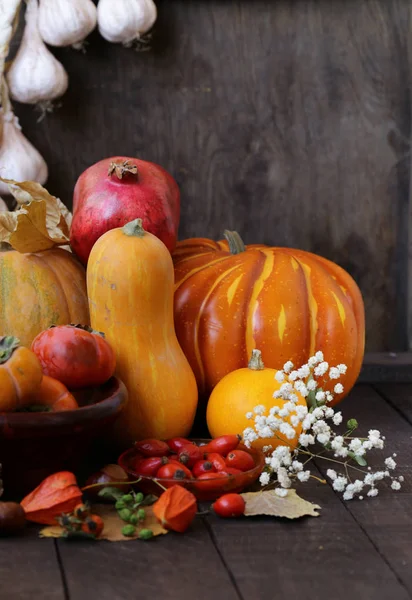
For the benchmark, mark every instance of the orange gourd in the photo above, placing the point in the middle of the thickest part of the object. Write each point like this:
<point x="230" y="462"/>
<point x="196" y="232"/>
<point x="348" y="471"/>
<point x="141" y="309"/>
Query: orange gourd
<point x="130" y="288"/>
<point x="231" y="298"/>
<point x="54" y="395"/>
<point x="238" y="393"/>
<point x="40" y="289"/>
<point x="20" y="374"/>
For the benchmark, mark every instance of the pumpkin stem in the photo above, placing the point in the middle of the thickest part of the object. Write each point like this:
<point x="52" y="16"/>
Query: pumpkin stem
<point x="256" y="362"/>
<point x="8" y="344"/>
<point x="134" y="228"/>
<point x="123" y="168"/>
<point x="236" y="245"/>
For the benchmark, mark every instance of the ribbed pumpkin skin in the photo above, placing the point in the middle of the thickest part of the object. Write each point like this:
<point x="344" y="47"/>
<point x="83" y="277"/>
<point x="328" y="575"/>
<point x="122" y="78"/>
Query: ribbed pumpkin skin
<point x="130" y="287"/>
<point x="39" y="290"/>
<point x="287" y="303"/>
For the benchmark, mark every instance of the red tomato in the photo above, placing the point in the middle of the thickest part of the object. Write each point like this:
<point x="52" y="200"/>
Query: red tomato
<point x="229" y="505"/>
<point x="174" y="471"/>
<point x="217" y="461"/>
<point x="222" y="444"/>
<point x="78" y="357"/>
<point x="177" y="443"/>
<point x="189" y="455"/>
<point x="148" y="467"/>
<point x="152" y="447"/>
<point x="201" y="467"/>
<point x="239" y="459"/>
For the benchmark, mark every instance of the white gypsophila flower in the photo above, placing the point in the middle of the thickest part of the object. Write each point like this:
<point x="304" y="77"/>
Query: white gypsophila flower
<point x="293" y="398"/>
<point x="321" y="369"/>
<point x="356" y="447"/>
<point x="401" y="478"/>
<point x="319" y="356"/>
<point x="283" y="453"/>
<point x="395" y="485"/>
<point x="284" y="412"/>
<point x="368" y="479"/>
<point x="311" y="385"/>
<point x="301" y="411"/>
<point x="280" y="376"/>
<point x="379" y="475"/>
<point x="287" y="430"/>
<point x="306" y="440"/>
<point x="338" y="389"/>
<point x="260" y="421"/>
<point x="318" y="412"/>
<point x="357" y="486"/>
<point x="264" y="478"/>
<point x="266" y="449"/>
<point x="329" y="397"/>
<point x="281" y="492"/>
<point x="303" y="476"/>
<point x="274" y="423"/>
<point x="320" y="427"/>
<point x="340" y="483"/>
<point x="323" y="438"/>
<point x="367" y="444"/>
<point x="288" y="366"/>
<point x="297" y="466"/>
<point x="308" y="422"/>
<point x="390" y="463"/>
<point x="259" y="410"/>
<point x="266" y="432"/>
<point x="331" y="474"/>
<point x="328" y="412"/>
<point x="342" y="369"/>
<point x="294" y="420"/>
<point x="348" y="495"/>
<point x="337" y="418"/>
<point x="293" y="375"/>
<point x="334" y="373"/>
<point x="303" y="372"/>
<point x="274" y="411"/>
<point x="249" y="415"/>
<point x="283" y="477"/>
<point x="286" y="389"/>
<point x="277" y="394"/>
<point x="320" y="396"/>
<point x="290" y="406"/>
<point x="373" y="492"/>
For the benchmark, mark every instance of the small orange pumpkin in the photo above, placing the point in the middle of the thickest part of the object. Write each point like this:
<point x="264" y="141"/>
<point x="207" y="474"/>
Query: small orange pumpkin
<point x="231" y="298"/>
<point x="20" y="374"/>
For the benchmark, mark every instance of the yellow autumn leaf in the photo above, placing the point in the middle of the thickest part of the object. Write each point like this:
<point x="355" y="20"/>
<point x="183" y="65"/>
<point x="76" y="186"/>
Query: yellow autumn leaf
<point x="269" y="503"/>
<point x="40" y="222"/>
<point x="113" y="525"/>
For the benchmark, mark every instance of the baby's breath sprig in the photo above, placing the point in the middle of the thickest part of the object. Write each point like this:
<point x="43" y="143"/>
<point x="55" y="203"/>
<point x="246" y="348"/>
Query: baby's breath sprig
<point x="286" y="463"/>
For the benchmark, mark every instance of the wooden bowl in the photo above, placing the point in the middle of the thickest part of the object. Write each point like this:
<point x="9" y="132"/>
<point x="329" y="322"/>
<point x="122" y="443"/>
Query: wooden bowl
<point x="204" y="490"/>
<point x="35" y="445"/>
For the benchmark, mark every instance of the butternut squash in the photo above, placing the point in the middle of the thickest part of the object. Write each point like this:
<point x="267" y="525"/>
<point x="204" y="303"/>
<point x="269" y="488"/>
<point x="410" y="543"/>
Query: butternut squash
<point x="130" y="283"/>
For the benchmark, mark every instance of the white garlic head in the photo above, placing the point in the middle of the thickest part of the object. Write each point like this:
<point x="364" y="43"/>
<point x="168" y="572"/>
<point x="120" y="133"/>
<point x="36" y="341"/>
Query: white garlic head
<point x="19" y="159"/>
<point x="35" y="75"/>
<point x="123" y="21"/>
<point x="66" y="22"/>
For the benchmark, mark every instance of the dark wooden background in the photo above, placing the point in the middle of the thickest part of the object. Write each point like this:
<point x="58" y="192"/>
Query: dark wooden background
<point x="286" y="120"/>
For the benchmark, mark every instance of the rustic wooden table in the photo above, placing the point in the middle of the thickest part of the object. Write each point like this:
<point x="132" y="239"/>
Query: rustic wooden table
<point x="358" y="549"/>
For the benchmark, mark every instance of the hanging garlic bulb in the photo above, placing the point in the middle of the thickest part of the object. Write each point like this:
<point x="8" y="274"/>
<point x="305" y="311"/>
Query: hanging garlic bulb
<point x="35" y="76"/>
<point x="19" y="160"/>
<point x="66" y="22"/>
<point x="125" y="20"/>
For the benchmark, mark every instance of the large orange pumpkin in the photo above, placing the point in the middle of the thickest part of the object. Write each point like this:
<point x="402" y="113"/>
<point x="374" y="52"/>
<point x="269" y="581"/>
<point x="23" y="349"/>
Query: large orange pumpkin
<point x="39" y="290"/>
<point x="231" y="299"/>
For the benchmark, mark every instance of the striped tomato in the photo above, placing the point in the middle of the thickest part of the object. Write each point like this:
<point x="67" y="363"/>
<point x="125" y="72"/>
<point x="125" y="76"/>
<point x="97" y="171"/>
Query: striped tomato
<point x="231" y="299"/>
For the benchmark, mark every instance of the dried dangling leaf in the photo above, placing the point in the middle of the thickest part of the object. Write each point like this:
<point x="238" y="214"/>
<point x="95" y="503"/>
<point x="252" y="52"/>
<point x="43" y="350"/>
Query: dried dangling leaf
<point x="41" y="221"/>
<point x="291" y="506"/>
<point x="113" y="525"/>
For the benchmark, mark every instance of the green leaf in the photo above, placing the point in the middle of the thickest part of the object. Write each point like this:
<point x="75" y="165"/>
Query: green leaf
<point x="110" y="492"/>
<point x="359" y="459"/>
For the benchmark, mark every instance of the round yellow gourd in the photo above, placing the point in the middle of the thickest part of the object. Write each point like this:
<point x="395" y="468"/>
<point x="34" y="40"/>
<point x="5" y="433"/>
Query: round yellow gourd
<point x="238" y="393"/>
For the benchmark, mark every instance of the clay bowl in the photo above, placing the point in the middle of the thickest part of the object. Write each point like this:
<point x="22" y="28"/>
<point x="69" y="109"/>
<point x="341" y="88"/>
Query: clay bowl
<point x="35" y="445"/>
<point x="204" y="490"/>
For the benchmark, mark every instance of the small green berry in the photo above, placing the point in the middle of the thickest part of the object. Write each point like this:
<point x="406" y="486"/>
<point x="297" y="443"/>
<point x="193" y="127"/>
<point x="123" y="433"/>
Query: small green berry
<point x="145" y="534"/>
<point x="127" y="498"/>
<point x="133" y="519"/>
<point x="125" y="514"/>
<point x="141" y="514"/>
<point x="138" y="498"/>
<point x="128" y="530"/>
<point x="120" y="504"/>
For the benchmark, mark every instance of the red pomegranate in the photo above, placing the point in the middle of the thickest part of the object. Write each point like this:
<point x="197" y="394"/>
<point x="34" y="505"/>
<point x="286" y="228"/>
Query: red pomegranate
<point x="117" y="190"/>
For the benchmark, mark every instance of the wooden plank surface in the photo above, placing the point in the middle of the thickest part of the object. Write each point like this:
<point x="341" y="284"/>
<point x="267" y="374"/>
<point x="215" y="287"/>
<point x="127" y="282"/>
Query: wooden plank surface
<point x="358" y="549"/>
<point x="29" y="569"/>
<point x="288" y="121"/>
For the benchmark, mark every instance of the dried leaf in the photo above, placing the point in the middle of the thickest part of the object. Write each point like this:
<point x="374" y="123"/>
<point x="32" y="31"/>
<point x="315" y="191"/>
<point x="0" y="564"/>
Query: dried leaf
<point x="291" y="506"/>
<point x="41" y="221"/>
<point x="113" y="525"/>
